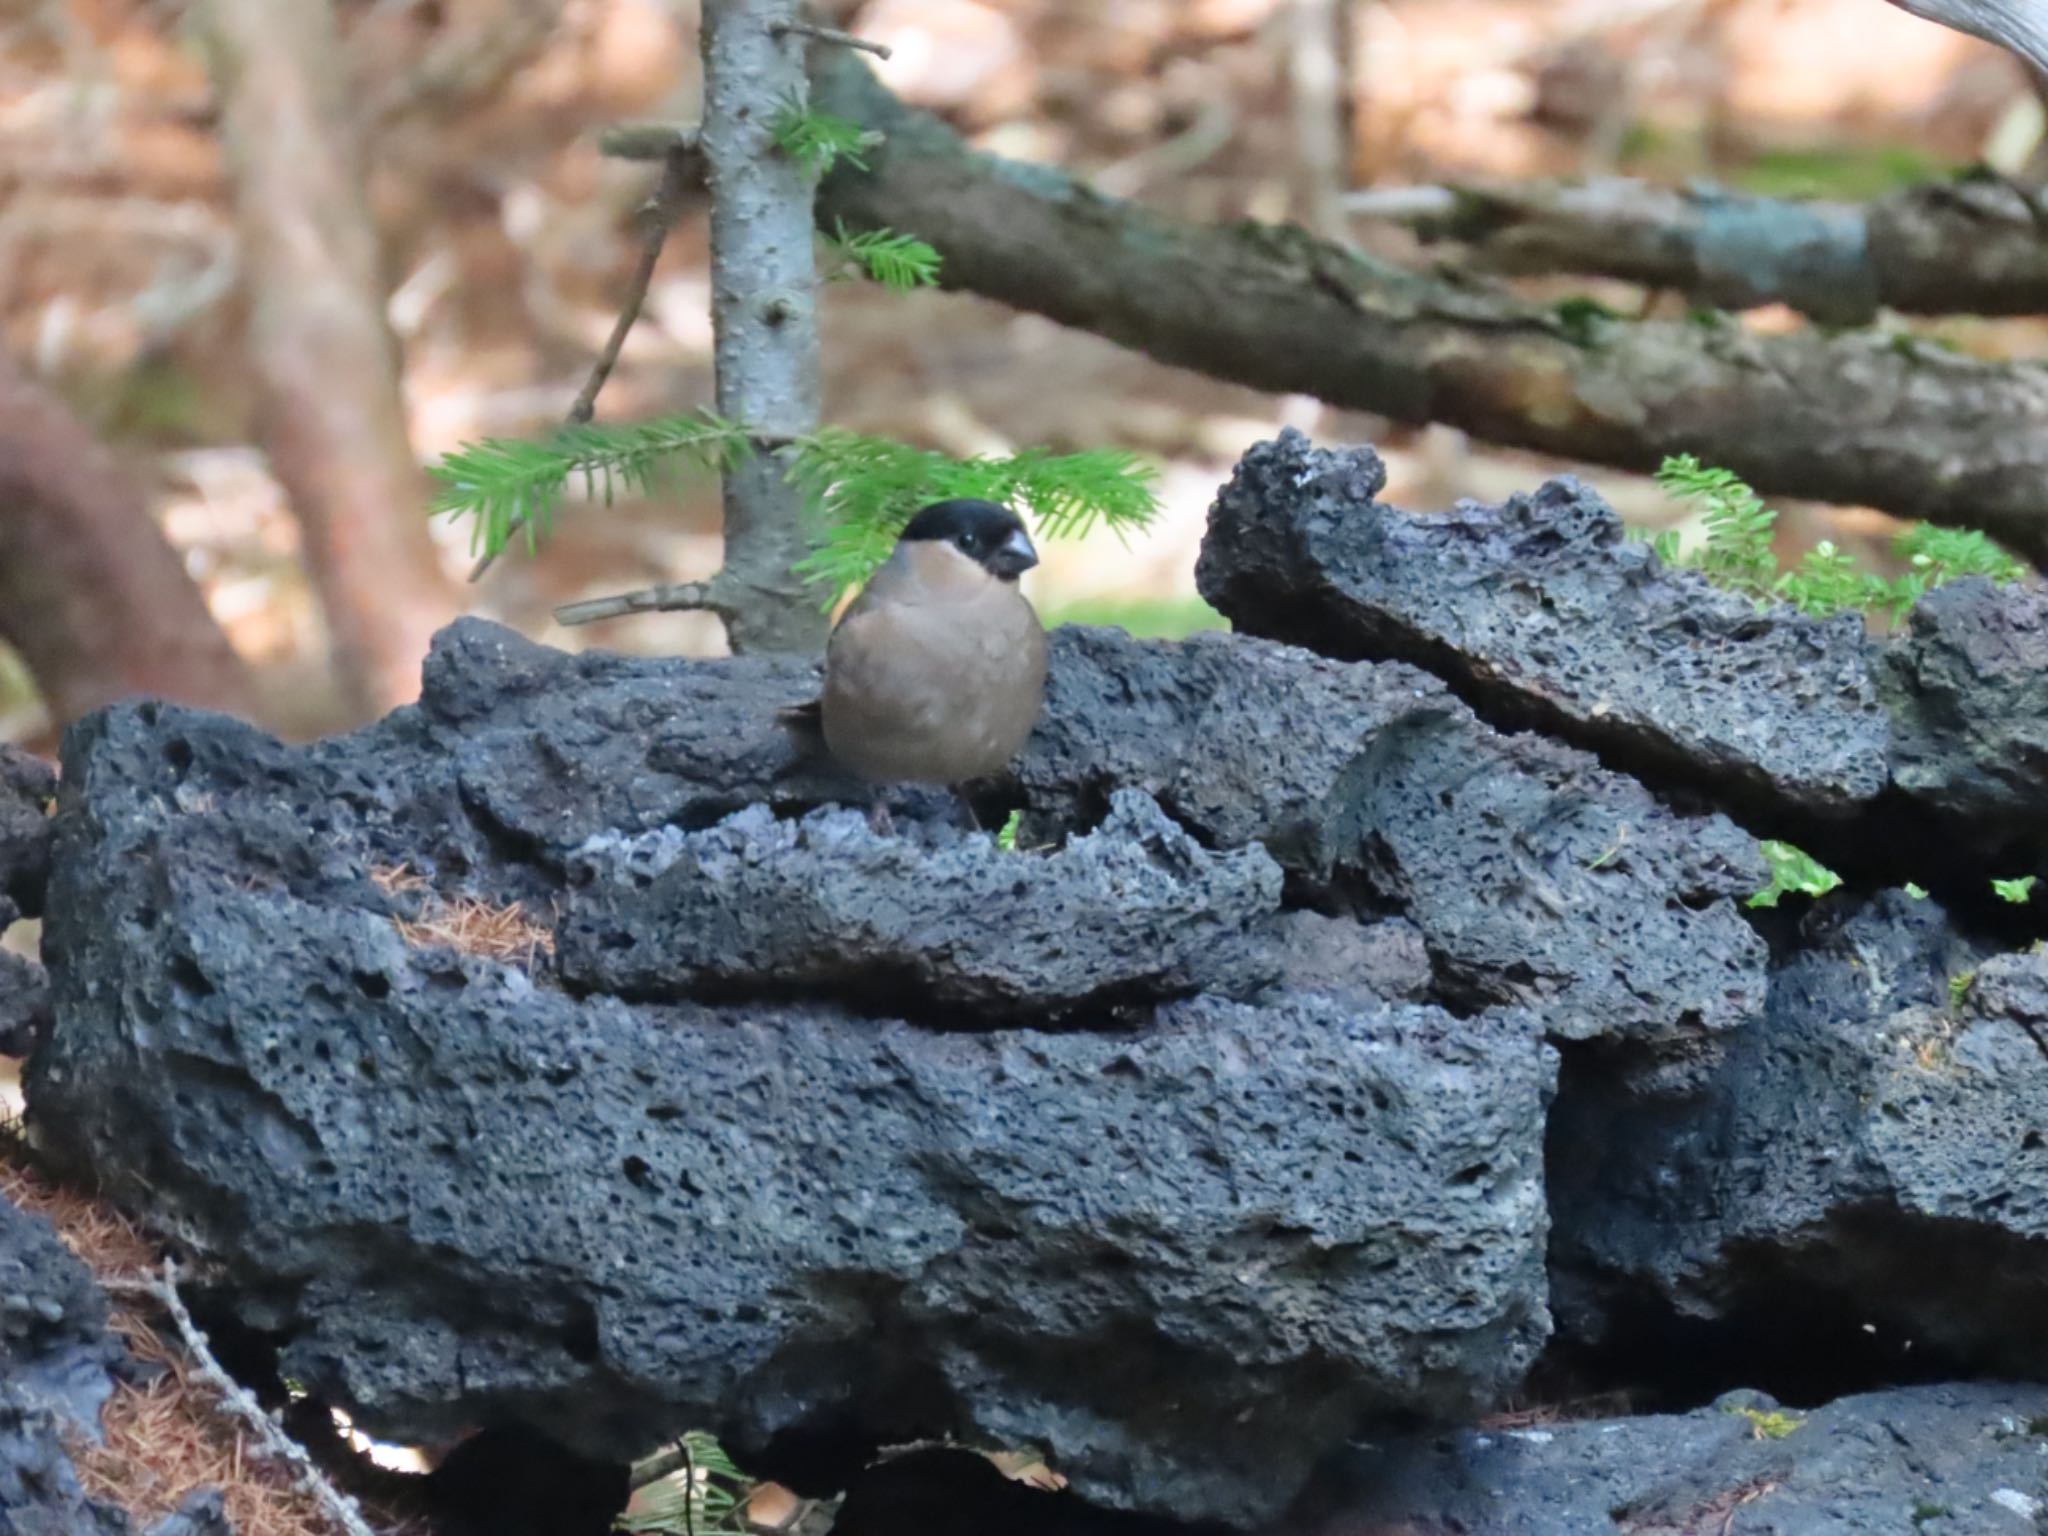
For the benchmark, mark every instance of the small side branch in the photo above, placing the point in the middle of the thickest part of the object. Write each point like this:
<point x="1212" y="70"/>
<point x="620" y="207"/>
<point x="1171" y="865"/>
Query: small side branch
<point x="271" y="1441"/>
<point x="646" y="141"/>
<point x="682" y="597"/>
<point x="680" y="169"/>
<point x="830" y="35"/>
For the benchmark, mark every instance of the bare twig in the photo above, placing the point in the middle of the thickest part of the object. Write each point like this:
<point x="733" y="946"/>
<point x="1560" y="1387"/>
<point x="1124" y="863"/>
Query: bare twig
<point x="652" y="1469"/>
<point x="712" y="596"/>
<point x="679" y="169"/>
<point x="658" y="216"/>
<point x="646" y="141"/>
<point x="831" y="35"/>
<point x="271" y="1441"/>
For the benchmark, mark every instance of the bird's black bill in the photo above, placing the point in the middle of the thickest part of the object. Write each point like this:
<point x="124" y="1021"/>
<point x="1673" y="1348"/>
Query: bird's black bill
<point x="1011" y="558"/>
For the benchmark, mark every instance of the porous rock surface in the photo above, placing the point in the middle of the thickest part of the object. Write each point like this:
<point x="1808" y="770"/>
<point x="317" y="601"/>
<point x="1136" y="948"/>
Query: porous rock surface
<point x="28" y="785"/>
<point x="24" y="1003"/>
<point x="1967" y="686"/>
<point x="56" y="1365"/>
<point x="1535" y="876"/>
<point x="1542" y="608"/>
<point x="1230" y="1118"/>
<point x="1869" y="1162"/>
<point x="1962" y="1460"/>
<point x="1133" y="911"/>
<point x="457" y="1190"/>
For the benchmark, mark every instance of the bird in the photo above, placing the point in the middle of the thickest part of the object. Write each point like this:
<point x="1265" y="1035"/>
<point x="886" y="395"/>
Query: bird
<point x="935" y="674"/>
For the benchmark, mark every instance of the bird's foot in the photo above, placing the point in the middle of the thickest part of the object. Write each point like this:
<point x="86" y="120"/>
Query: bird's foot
<point x="880" y="822"/>
<point x="966" y="804"/>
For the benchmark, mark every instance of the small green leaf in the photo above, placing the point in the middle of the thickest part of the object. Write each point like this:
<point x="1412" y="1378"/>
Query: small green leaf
<point x="1774" y="1424"/>
<point x="1917" y="892"/>
<point x="817" y="141"/>
<point x="2016" y="891"/>
<point x="1006" y="836"/>
<point x="1738" y="552"/>
<point x="1959" y="987"/>
<point x="1792" y="871"/>
<point x="898" y="262"/>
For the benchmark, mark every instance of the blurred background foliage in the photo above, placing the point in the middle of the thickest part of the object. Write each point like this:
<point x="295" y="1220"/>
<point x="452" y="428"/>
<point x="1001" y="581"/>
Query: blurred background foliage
<point x="504" y="240"/>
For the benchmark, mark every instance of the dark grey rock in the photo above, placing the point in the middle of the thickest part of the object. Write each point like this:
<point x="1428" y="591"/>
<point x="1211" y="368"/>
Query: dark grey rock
<point x="56" y="1357"/>
<point x="1131" y="912"/>
<point x="24" y="1003"/>
<point x="1967" y="687"/>
<point x="28" y="785"/>
<point x="1920" y="1461"/>
<point x="39" y="1489"/>
<point x="1242" y="740"/>
<point x="1540" y="611"/>
<point x="1385" y="961"/>
<point x="54" y="1344"/>
<point x="1189" y="1254"/>
<point x="1535" y="876"/>
<point x="1539" y="878"/>
<point x="1868" y="1164"/>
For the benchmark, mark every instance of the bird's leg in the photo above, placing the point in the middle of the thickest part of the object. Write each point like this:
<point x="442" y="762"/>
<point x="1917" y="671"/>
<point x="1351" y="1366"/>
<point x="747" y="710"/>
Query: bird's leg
<point x="967" y="805"/>
<point x="880" y="822"/>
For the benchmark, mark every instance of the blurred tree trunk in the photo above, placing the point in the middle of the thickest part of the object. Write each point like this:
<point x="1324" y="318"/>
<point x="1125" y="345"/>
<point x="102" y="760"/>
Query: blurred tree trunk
<point x="332" y="415"/>
<point x="98" y="605"/>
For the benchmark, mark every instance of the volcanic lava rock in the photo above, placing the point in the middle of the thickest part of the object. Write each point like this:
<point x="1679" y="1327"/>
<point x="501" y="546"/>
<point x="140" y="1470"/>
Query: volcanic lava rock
<point x="1133" y="911"/>
<point x="1540" y="611"/>
<point x="1940" y="1460"/>
<point x="1190" y="1251"/>
<point x="1863" y="1177"/>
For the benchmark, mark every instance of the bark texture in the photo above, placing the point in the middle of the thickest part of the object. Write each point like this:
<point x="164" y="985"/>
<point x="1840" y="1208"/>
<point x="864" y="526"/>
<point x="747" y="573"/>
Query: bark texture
<point x="763" y="314"/>
<point x="1968" y="247"/>
<point x="98" y="605"/>
<point x="332" y="418"/>
<point x="1913" y="430"/>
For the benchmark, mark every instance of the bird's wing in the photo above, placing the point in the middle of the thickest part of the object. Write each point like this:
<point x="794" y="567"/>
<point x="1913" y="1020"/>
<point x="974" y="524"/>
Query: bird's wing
<point x="806" y="721"/>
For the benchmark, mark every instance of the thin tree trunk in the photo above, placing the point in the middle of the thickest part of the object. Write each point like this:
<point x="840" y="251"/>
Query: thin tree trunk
<point x="95" y="601"/>
<point x="763" y="313"/>
<point x="1914" y="430"/>
<point x="332" y="417"/>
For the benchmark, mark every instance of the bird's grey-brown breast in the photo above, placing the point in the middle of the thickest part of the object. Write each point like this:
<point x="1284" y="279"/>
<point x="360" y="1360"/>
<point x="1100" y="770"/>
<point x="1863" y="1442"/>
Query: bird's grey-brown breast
<point x="932" y="683"/>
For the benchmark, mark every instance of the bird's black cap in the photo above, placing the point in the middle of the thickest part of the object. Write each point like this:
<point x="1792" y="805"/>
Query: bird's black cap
<point x="990" y="535"/>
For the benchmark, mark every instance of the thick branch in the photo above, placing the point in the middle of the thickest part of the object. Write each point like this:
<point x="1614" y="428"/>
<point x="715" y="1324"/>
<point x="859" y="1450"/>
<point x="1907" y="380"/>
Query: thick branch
<point x="1971" y="247"/>
<point x="332" y="414"/>
<point x="1916" y="431"/>
<point x="98" y="605"/>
